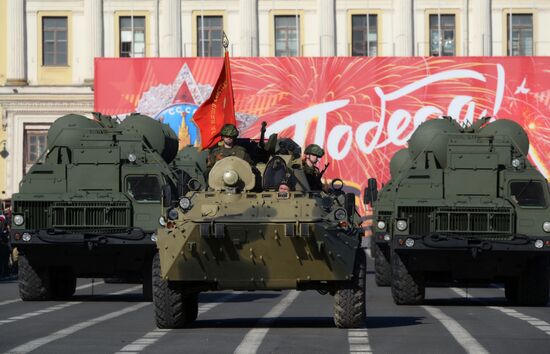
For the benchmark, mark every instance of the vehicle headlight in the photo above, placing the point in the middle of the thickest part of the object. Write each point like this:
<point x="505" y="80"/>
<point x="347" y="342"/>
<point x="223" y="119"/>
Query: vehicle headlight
<point x="381" y="225"/>
<point x="132" y="157"/>
<point x="154" y="237"/>
<point x="185" y="203"/>
<point x="162" y="221"/>
<point x="173" y="214"/>
<point x="230" y="177"/>
<point x="18" y="220"/>
<point x="401" y="225"/>
<point x="538" y="243"/>
<point x="546" y="226"/>
<point x="409" y="242"/>
<point x="27" y="237"/>
<point x="340" y="214"/>
<point x="516" y="163"/>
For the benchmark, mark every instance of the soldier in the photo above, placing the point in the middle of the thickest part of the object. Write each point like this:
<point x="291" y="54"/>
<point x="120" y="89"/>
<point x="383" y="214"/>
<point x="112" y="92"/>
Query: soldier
<point x="284" y="186"/>
<point x="313" y="153"/>
<point x="228" y="148"/>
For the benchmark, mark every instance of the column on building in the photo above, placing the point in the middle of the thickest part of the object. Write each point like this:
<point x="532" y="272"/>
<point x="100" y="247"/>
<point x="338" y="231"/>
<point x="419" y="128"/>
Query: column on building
<point x="480" y="28"/>
<point x="249" y="27"/>
<point x="93" y="12"/>
<point x="16" y="73"/>
<point x="170" y="28"/>
<point x="327" y="27"/>
<point x="403" y="24"/>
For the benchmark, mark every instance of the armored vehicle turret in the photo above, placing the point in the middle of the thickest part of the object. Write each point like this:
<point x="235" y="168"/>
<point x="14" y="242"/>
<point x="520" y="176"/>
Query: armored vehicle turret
<point x="466" y="206"/>
<point x="244" y="231"/>
<point x="90" y="207"/>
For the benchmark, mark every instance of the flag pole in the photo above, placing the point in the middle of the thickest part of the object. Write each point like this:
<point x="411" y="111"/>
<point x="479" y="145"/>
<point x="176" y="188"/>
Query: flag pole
<point x="225" y="42"/>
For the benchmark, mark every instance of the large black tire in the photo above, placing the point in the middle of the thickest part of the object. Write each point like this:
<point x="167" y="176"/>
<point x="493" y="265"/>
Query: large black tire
<point x="34" y="283"/>
<point x="168" y="300"/>
<point x="406" y="288"/>
<point x="192" y="307"/>
<point x="533" y="284"/>
<point x="63" y="283"/>
<point x="382" y="266"/>
<point x="147" y="287"/>
<point x="350" y="309"/>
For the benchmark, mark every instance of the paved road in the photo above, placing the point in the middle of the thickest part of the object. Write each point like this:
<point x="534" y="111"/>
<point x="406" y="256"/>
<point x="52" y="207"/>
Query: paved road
<point x="111" y="318"/>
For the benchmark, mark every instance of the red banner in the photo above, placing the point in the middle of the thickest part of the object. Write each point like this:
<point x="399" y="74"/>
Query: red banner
<point x="360" y="110"/>
<point x="217" y="110"/>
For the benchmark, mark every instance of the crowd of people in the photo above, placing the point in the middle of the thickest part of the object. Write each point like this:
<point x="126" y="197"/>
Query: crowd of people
<point x="7" y="259"/>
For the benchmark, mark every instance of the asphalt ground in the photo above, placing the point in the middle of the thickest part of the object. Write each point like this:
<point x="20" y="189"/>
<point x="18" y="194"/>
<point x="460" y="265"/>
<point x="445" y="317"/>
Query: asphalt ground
<point x="112" y="318"/>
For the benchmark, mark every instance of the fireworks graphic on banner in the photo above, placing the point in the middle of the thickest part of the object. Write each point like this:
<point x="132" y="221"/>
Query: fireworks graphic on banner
<point x="361" y="110"/>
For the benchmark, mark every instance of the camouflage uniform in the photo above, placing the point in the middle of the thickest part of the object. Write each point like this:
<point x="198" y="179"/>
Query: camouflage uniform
<point x="313" y="174"/>
<point x="221" y="152"/>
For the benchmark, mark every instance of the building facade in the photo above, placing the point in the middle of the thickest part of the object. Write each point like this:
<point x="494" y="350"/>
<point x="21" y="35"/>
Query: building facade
<point x="47" y="47"/>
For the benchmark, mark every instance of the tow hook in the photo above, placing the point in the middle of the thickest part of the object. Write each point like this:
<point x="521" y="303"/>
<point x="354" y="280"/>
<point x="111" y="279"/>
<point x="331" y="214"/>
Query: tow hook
<point x="91" y="244"/>
<point x="483" y="246"/>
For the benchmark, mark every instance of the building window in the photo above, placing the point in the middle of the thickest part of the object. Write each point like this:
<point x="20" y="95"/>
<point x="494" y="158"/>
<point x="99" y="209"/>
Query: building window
<point x="444" y="27"/>
<point x="522" y="34"/>
<point x="209" y="36"/>
<point x="286" y="36"/>
<point x="34" y="147"/>
<point x="132" y="36"/>
<point x="364" y="35"/>
<point x="54" y="41"/>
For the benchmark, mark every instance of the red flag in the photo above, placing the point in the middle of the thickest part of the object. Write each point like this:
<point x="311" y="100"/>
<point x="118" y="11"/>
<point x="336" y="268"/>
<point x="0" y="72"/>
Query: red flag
<point x="218" y="109"/>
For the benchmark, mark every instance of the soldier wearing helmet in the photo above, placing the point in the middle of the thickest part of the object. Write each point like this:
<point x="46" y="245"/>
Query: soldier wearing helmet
<point x="227" y="147"/>
<point x="313" y="153"/>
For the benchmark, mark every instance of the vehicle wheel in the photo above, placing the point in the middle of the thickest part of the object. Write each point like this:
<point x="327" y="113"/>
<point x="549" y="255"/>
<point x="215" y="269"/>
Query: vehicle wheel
<point x="34" y="283"/>
<point x="382" y="267"/>
<point x="533" y="286"/>
<point x="349" y="304"/>
<point x="168" y="300"/>
<point x="407" y="288"/>
<point x="147" y="287"/>
<point x="63" y="283"/>
<point x="192" y="307"/>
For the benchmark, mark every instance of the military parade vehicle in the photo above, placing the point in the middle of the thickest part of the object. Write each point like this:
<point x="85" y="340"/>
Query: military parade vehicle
<point x="240" y="232"/>
<point x="464" y="204"/>
<point x="91" y="207"/>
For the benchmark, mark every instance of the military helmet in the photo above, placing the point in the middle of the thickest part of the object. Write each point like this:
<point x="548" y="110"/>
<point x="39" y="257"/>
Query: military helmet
<point x="314" y="149"/>
<point x="229" y="130"/>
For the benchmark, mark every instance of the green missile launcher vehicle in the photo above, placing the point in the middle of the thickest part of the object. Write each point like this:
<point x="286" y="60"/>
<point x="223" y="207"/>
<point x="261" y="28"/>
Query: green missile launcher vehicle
<point x="240" y="232"/>
<point x="467" y="206"/>
<point x="382" y="214"/>
<point x="91" y="207"/>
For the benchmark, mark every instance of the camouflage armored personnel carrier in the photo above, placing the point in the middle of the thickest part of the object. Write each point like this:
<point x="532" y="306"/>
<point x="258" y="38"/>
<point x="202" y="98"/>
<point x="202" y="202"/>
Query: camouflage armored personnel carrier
<point x="468" y="206"/>
<point x="92" y="207"/>
<point x="241" y="233"/>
